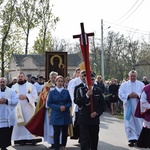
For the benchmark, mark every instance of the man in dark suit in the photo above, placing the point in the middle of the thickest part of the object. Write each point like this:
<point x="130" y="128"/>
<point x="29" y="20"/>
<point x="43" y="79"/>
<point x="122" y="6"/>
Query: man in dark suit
<point x="89" y="121"/>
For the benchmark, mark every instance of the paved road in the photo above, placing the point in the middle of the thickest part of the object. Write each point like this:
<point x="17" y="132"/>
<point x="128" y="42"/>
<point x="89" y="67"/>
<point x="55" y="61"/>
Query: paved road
<point x="112" y="137"/>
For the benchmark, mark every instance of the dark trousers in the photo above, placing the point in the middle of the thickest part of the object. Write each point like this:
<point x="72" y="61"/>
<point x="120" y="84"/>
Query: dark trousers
<point x="76" y="127"/>
<point x="5" y="136"/>
<point x="89" y="136"/>
<point x="57" y="130"/>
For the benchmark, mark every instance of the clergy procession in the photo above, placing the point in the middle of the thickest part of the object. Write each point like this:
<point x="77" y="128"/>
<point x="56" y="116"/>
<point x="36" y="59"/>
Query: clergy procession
<point x="55" y="113"/>
<point x="62" y="108"/>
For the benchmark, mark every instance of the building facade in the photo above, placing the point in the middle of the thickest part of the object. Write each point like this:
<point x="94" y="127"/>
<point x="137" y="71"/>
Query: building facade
<point x="34" y="64"/>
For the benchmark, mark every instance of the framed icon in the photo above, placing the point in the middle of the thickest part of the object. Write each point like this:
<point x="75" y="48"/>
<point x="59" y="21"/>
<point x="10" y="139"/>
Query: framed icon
<point x="56" y="61"/>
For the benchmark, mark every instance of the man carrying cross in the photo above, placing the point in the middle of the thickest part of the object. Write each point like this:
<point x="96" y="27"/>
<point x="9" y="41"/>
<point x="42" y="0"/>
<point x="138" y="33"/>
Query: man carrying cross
<point x="90" y="101"/>
<point x="89" y="121"/>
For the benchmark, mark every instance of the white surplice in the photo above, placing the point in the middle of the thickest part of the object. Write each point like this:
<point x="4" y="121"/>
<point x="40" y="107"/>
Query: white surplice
<point x="133" y="126"/>
<point x="144" y="105"/>
<point x="28" y="109"/>
<point x="7" y="113"/>
<point x="48" y="129"/>
<point x="39" y="88"/>
<point x="71" y="87"/>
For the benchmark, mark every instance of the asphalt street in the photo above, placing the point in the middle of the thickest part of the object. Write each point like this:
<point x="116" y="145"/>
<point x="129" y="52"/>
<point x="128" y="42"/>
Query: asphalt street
<point x="111" y="137"/>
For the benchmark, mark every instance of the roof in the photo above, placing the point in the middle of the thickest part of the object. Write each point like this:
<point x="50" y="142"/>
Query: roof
<point x="39" y="59"/>
<point x="73" y="60"/>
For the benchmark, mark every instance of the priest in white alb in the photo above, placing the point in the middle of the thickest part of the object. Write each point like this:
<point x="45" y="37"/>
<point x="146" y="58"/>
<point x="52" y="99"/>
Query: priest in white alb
<point x="8" y="101"/>
<point x="25" y="109"/>
<point x="129" y="93"/>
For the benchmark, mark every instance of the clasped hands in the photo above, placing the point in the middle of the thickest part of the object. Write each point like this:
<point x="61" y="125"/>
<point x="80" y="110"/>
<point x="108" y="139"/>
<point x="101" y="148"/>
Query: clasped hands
<point x="22" y="97"/>
<point x="133" y="95"/>
<point x="3" y="101"/>
<point x="62" y="108"/>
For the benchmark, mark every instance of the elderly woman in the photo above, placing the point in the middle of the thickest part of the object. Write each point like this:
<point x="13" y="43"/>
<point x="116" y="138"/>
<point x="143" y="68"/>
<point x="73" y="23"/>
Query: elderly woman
<point x="60" y="102"/>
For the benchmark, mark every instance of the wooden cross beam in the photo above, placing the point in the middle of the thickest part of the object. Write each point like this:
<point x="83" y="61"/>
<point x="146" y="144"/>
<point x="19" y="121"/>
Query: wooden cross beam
<point x="82" y="33"/>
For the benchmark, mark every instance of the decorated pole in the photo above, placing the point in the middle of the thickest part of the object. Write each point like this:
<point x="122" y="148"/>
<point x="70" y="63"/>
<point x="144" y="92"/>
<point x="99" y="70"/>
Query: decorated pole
<point x="84" y="44"/>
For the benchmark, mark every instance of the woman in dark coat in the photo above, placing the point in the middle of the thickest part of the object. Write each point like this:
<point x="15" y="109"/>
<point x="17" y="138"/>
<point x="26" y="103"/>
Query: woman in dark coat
<point x="60" y="102"/>
<point x="113" y="91"/>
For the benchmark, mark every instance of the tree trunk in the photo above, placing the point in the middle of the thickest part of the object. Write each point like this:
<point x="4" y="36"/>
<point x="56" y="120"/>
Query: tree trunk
<point x="44" y="37"/>
<point x="2" y="53"/>
<point x="27" y="38"/>
<point x="2" y="59"/>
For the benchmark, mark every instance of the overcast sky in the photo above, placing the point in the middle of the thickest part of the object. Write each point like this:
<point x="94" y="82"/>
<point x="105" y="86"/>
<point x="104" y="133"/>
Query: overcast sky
<point x="121" y="15"/>
<point x="124" y="16"/>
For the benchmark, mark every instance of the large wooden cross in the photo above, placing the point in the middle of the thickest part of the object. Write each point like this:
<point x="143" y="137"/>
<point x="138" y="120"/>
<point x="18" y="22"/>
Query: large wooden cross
<point x="82" y="32"/>
<point x="84" y="44"/>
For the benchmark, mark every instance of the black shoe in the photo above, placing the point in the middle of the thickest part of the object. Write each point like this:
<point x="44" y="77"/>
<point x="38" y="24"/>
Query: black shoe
<point x="22" y="143"/>
<point x="135" y="142"/>
<point x="74" y="137"/>
<point x="131" y="143"/>
<point x="33" y="143"/>
<point x="52" y="146"/>
<point x="4" y="148"/>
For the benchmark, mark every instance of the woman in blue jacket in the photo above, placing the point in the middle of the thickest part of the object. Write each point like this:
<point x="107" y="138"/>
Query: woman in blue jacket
<point x="60" y="102"/>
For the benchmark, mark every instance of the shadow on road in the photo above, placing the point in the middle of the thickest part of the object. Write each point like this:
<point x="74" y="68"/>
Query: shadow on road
<point x="29" y="147"/>
<point x="74" y="148"/>
<point x="106" y="119"/>
<point x="39" y="147"/>
<point x="107" y="146"/>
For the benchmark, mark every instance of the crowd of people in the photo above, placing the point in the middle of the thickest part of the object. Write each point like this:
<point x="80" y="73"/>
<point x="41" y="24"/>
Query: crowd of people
<point x="32" y="108"/>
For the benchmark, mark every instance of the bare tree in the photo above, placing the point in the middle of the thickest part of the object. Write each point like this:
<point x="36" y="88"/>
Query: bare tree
<point x="95" y="55"/>
<point x="59" y="45"/>
<point x="26" y="12"/>
<point x="7" y="16"/>
<point x="48" y="20"/>
<point x="121" y="54"/>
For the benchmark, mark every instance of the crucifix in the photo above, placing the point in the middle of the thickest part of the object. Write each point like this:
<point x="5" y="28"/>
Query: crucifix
<point x="84" y="44"/>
